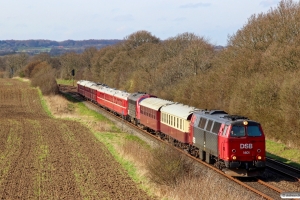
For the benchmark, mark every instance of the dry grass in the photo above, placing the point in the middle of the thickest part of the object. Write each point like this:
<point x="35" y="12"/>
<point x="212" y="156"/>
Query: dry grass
<point x="198" y="183"/>
<point x="60" y="107"/>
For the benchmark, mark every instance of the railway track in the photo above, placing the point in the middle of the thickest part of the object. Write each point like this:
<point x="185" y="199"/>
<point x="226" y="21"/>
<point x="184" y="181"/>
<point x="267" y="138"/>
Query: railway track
<point x="284" y="169"/>
<point x="257" y="186"/>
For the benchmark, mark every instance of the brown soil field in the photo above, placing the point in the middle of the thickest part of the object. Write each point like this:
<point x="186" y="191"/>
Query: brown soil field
<point x="46" y="158"/>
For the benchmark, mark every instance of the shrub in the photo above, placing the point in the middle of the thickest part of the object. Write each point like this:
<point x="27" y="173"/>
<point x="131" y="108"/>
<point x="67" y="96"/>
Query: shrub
<point x="44" y="78"/>
<point x="168" y="167"/>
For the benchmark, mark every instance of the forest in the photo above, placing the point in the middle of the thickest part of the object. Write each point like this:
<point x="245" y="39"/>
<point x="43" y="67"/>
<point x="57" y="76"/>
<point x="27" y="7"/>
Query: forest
<point x="256" y="75"/>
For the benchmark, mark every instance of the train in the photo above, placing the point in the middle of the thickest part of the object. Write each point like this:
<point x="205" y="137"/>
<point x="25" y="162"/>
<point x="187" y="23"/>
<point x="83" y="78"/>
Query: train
<point x="232" y="143"/>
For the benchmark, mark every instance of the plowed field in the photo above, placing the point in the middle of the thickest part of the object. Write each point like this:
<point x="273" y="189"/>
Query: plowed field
<point x="46" y="158"/>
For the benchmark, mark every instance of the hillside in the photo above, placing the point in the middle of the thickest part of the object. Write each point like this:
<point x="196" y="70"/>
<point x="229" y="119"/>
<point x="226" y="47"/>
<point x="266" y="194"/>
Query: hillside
<point x="54" y="48"/>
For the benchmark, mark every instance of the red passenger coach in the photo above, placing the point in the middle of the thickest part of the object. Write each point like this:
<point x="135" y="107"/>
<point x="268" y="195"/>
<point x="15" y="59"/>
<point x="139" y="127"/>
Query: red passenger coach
<point x="88" y="89"/>
<point x="150" y="112"/>
<point x="114" y="100"/>
<point x="80" y="87"/>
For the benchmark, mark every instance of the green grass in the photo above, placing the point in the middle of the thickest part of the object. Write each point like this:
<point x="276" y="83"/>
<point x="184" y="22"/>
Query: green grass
<point x="109" y="139"/>
<point x="138" y="140"/>
<point x="283" y="153"/>
<point x="44" y="104"/>
<point x="66" y="82"/>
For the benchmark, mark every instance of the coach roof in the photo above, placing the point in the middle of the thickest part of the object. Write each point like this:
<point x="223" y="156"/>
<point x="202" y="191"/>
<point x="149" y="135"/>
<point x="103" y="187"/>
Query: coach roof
<point x="179" y="110"/>
<point x="154" y="103"/>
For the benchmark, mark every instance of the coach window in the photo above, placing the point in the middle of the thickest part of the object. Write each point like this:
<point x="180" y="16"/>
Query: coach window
<point x="177" y="123"/>
<point x="180" y="123"/>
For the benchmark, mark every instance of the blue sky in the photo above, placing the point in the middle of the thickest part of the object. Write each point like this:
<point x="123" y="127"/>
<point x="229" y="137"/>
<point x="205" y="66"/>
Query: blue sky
<point x="114" y="19"/>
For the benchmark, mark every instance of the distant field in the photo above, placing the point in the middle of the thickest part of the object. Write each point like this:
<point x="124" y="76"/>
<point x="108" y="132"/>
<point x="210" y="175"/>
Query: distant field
<point x="33" y="49"/>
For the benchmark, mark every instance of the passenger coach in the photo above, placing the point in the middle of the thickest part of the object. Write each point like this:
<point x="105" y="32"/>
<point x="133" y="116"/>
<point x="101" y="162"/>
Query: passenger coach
<point x="151" y="114"/>
<point x="175" y="121"/>
<point x="114" y="100"/>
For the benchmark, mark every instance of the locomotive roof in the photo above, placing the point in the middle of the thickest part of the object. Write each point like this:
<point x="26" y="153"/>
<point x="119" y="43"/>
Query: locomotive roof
<point x="221" y="116"/>
<point x="135" y="96"/>
<point x="155" y="103"/>
<point x="179" y="110"/>
<point x="114" y="92"/>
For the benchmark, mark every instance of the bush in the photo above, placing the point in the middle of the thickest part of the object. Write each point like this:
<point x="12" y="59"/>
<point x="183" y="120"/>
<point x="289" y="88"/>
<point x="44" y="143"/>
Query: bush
<point x="167" y="166"/>
<point x="44" y="78"/>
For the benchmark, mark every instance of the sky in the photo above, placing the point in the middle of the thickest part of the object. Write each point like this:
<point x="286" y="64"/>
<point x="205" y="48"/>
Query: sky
<point x="61" y="20"/>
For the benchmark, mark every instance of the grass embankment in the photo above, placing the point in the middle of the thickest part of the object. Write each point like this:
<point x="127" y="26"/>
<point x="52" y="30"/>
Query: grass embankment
<point x="283" y="153"/>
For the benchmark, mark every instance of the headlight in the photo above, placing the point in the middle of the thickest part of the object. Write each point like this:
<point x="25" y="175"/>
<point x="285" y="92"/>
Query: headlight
<point x="233" y="157"/>
<point x="258" y="157"/>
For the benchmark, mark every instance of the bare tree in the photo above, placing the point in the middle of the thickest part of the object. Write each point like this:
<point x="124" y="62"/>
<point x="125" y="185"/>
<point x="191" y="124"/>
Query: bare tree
<point x="138" y="38"/>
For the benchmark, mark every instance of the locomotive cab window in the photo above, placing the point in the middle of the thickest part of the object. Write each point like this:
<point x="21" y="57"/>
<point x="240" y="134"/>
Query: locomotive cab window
<point x="237" y="131"/>
<point x="225" y="131"/>
<point x="253" y="131"/>
<point x="209" y="124"/>
<point x="202" y="123"/>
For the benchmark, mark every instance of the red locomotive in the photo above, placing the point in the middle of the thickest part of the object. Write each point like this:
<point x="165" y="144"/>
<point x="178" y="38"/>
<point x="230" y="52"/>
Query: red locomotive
<point x="234" y="144"/>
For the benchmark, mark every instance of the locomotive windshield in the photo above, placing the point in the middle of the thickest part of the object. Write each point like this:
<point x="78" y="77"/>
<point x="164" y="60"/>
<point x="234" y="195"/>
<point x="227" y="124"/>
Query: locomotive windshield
<point x="254" y="131"/>
<point x="237" y="131"/>
<point x="240" y="131"/>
